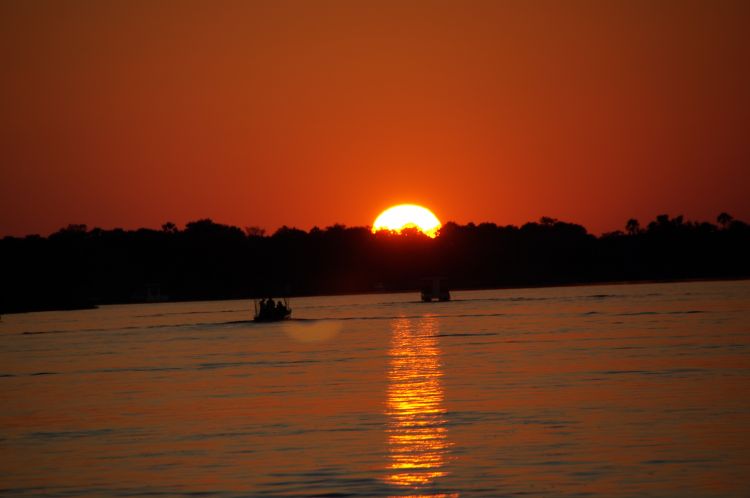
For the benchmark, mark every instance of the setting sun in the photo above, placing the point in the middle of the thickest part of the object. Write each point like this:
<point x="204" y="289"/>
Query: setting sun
<point x="403" y="216"/>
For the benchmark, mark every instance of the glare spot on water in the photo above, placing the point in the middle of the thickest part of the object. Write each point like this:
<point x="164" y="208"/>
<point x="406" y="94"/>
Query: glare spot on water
<point x="314" y="331"/>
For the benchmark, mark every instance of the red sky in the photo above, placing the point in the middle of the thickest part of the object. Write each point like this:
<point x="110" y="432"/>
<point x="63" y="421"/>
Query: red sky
<point x="132" y="113"/>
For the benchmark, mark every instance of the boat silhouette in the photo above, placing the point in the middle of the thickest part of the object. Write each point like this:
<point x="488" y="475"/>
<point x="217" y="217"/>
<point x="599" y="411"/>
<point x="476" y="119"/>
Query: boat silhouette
<point x="268" y="310"/>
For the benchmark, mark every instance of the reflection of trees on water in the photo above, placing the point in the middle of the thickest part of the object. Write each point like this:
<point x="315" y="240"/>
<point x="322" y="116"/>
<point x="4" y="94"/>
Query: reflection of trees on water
<point x="417" y="436"/>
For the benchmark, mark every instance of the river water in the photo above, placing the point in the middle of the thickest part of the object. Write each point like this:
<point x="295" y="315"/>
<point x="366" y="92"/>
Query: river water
<point x="621" y="390"/>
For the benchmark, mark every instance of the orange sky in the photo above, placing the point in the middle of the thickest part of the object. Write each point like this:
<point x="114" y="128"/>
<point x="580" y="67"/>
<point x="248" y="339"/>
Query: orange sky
<point x="132" y="113"/>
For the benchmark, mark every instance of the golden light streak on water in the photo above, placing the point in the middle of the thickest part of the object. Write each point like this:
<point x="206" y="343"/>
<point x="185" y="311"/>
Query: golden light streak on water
<point x="417" y="436"/>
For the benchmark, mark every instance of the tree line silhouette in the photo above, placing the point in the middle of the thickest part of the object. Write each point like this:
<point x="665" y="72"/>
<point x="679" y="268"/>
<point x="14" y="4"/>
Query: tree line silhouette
<point x="77" y="267"/>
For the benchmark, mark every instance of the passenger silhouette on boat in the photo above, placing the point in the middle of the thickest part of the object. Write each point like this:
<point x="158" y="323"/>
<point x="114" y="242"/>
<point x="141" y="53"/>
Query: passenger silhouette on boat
<point x="270" y="306"/>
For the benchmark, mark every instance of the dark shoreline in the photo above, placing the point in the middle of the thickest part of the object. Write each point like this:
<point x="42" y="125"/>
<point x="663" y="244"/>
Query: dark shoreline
<point x="78" y="268"/>
<point x="403" y="291"/>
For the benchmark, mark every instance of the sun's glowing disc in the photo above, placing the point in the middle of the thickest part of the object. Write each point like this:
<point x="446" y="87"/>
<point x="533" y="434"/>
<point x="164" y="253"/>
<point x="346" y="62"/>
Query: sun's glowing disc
<point x="403" y="216"/>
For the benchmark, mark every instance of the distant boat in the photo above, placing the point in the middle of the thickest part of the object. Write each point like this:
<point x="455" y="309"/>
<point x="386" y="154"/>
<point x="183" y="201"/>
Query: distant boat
<point x="150" y="293"/>
<point x="268" y="310"/>
<point x="435" y="288"/>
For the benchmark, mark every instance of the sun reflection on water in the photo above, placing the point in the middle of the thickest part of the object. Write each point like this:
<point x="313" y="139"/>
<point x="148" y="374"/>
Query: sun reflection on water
<point x="417" y="436"/>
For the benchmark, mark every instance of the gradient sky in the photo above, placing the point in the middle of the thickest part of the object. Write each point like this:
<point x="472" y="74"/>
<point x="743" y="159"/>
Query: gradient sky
<point x="132" y="113"/>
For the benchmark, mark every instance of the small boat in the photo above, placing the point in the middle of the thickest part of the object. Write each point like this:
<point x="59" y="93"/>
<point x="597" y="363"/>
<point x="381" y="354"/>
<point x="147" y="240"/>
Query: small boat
<point x="435" y="288"/>
<point x="268" y="310"/>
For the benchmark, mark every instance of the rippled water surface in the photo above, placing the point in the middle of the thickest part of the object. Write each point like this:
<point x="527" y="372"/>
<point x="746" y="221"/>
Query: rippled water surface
<point x="626" y="390"/>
